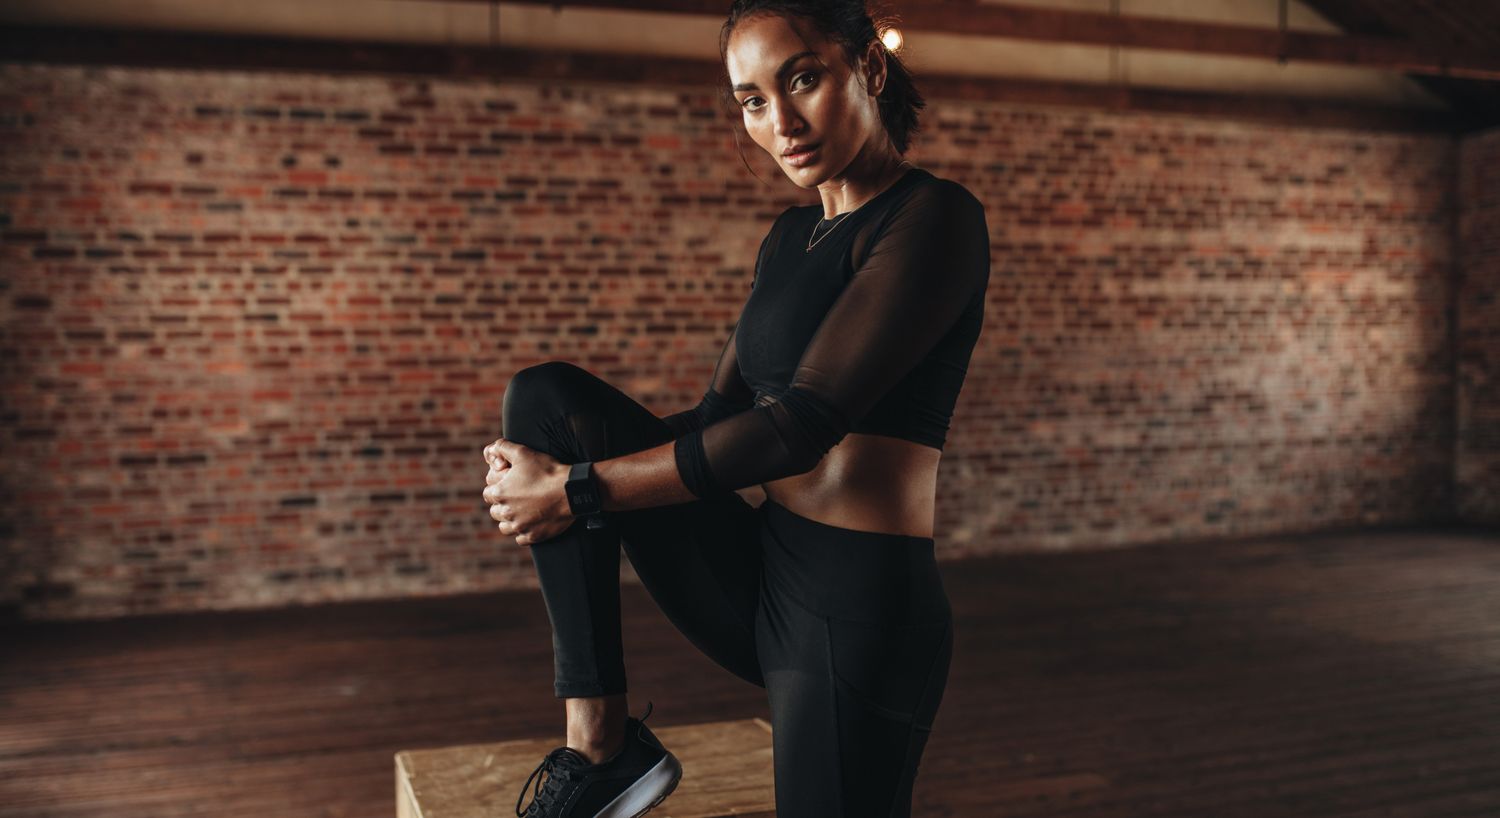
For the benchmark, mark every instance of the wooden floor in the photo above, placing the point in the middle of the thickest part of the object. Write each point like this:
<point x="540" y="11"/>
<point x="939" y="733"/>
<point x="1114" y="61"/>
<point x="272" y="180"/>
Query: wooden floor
<point x="1334" y="676"/>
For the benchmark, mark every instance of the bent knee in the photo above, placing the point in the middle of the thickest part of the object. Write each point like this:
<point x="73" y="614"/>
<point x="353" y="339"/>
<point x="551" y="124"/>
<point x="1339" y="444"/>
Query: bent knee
<point x="546" y="386"/>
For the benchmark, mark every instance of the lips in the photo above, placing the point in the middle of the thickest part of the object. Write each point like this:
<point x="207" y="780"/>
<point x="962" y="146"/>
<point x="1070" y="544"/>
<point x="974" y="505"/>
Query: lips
<point x="800" y="150"/>
<point x="807" y="156"/>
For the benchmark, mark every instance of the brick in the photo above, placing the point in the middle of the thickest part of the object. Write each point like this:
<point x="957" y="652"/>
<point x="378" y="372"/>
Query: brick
<point x="313" y="289"/>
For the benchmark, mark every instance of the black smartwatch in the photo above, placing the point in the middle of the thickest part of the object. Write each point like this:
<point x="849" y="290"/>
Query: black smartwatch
<point x="583" y="494"/>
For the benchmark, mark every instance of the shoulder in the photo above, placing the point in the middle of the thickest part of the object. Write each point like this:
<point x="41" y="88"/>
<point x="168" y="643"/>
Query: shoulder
<point x="943" y="196"/>
<point x="802" y="213"/>
<point x="794" y="211"/>
<point x="777" y="225"/>
<point x="941" y="209"/>
<point x="773" y="239"/>
<point x="790" y="214"/>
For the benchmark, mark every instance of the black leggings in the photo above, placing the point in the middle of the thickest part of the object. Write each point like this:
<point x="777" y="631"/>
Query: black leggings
<point x="849" y="632"/>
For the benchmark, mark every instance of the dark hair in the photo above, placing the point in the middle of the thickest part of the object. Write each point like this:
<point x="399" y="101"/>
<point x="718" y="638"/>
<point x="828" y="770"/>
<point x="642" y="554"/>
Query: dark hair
<point x="848" y="23"/>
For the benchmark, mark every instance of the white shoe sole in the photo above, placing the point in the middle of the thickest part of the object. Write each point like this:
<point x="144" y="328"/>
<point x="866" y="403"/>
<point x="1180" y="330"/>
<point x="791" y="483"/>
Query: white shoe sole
<point x="648" y="791"/>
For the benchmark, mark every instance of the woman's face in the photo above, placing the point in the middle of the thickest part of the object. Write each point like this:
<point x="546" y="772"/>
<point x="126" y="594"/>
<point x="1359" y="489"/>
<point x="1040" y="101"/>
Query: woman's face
<point x="790" y="96"/>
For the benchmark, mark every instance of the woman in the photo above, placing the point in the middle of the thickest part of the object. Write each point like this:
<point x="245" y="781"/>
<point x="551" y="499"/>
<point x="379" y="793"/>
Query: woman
<point x="833" y="393"/>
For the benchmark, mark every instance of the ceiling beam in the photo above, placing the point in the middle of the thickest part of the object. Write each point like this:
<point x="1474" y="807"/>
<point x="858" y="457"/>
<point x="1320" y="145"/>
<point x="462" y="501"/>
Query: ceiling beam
<point x="78" y="46"/>
<point x="1131" y="31"/>
<point x="1474" y="102"/>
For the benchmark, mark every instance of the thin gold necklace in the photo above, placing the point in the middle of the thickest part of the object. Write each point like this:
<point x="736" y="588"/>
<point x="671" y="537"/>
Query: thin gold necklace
<point x="840" y="220"/>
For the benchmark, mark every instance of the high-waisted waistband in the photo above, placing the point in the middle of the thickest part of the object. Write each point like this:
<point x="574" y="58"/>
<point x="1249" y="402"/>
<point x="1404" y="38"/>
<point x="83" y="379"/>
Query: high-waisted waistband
<point x="861" y="576"/>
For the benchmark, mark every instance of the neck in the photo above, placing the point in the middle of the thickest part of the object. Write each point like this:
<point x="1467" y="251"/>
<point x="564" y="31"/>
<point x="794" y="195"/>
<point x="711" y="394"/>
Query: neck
<point x="860" y="184"/>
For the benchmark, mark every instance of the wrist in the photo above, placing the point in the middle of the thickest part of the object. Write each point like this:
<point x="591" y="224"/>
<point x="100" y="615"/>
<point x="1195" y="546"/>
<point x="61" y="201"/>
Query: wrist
<point x="583" y="493"/>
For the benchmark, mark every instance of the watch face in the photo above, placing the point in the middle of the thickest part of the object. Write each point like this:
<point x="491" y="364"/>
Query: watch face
<point x="583" y="497"/>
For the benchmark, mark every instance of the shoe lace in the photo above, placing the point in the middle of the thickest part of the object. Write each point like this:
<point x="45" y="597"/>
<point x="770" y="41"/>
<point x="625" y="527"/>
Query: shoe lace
<point x="558" y="767"/>
<point x="555" y="771"/>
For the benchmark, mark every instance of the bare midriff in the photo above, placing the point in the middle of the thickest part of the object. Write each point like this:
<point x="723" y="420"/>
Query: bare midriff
<point x="867" y="482"/>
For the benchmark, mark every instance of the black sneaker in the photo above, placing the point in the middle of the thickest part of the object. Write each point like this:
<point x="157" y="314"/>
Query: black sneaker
<point x="637" y="778"/>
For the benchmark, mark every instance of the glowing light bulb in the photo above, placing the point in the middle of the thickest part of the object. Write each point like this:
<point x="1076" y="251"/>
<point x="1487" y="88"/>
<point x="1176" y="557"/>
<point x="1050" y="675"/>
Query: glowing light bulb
<point x="891" y="37"/>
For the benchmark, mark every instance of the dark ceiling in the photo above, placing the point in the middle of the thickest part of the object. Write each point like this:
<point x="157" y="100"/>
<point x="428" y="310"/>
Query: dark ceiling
<point x="1470" y="26"/>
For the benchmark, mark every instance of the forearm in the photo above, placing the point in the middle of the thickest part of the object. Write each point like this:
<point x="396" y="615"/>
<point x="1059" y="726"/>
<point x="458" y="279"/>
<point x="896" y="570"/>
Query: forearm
<point x="641" y="479"/>
<point x="787" y="436"/>
<point x="650" y="477"/>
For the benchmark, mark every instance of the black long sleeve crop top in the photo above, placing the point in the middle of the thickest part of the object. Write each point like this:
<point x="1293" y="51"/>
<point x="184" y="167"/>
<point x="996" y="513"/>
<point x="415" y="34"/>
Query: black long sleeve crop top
<point x="870" y="331"/>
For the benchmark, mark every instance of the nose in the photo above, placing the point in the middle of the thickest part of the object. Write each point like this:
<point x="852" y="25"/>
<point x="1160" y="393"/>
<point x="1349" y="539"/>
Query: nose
<point x="785" y="118"/>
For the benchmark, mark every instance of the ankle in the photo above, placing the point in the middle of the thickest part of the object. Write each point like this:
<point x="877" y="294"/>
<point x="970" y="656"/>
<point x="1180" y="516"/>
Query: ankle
<point x="596" y="725"/>
<point x="599" y="752"/>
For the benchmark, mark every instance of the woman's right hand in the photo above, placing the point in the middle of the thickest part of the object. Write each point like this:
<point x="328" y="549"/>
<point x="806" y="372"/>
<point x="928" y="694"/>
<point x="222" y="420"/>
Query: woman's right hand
<point x="498" y="468"/>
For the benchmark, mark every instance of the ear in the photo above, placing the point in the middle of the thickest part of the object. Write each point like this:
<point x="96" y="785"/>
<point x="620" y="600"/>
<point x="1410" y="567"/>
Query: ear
<point x="874" y="65"/>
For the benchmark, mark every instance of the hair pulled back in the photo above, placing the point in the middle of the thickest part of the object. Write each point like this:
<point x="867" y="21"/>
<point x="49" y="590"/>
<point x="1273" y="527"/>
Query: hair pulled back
<point x="850" y="24"/>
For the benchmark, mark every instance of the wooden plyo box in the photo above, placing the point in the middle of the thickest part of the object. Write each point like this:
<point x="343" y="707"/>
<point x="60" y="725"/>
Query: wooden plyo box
<point x="726" y="771"/>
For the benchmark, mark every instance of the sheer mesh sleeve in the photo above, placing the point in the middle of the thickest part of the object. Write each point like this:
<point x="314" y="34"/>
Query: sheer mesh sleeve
<point x="926" y="264"/>
<point x="727" y="393"/>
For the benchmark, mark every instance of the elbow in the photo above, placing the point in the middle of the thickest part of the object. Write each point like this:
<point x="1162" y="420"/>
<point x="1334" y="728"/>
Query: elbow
<point x="801" y="462"/>
<point x="809" y="427"/>
<point x="811" y="453"/>
<point x="800" y="452"/>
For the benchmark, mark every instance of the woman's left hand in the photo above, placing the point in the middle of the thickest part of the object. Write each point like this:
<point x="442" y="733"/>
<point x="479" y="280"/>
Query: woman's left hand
<point x="526" y="493"/>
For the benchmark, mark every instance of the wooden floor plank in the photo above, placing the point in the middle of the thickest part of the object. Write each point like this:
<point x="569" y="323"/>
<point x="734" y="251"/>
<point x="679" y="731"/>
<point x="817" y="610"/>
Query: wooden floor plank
<point x="1337" y="675"/>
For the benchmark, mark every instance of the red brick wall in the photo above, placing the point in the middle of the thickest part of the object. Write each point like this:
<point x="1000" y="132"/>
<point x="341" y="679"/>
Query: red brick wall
<point x="258" y="326"/>
<point x="1477" y="490"/>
